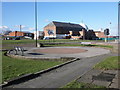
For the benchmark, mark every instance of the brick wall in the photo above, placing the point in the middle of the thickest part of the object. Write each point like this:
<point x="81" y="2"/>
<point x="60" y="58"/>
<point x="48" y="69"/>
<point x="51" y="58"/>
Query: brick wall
<point x="16" y="33"/>
<point x="100" y="34"/>
<point x="49" y="28"/>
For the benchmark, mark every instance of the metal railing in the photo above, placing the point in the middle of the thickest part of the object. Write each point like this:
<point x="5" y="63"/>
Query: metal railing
<point x="17" y="51"/>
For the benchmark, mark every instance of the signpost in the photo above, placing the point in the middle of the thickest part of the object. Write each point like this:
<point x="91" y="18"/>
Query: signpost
<point x="36" y="20"/>
<point x="106" y="33"/>
<point x="119" y="21"/>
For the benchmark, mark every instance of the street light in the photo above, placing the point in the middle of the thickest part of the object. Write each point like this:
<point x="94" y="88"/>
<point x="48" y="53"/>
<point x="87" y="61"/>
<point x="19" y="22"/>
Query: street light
<point x="119" y="21"/>
<point x="36" y="20"/>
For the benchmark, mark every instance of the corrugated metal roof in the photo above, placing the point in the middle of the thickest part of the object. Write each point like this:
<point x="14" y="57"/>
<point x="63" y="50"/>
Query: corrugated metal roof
<point x="63" y="24"/>
<point x="66" y="26"/>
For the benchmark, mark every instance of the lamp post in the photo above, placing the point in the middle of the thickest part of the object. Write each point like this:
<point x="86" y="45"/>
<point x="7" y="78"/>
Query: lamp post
<point x="20" y="28"/>
<point x="36" y="20"/>
<point x="118" y="21"/>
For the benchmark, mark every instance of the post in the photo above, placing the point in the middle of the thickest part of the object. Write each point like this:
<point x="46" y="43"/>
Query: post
<point x="83" y="34"/>
<point x="36" y="20"/>
<point x="20" y="28"/>
<point x="119" y="21"/>
<point x="106" y="38"/>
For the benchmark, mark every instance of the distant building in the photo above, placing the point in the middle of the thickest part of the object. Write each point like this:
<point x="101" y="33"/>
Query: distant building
<point x="63" y="30"/>
<point x="21" y="34"/>
<point x="6" y="32"/>
<point x="100" y="34"/>
<point x="91" y="35"/>
<point x="40" y="35"/>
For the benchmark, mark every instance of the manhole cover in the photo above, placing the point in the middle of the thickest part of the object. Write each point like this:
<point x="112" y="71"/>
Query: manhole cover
<point x="104" y="77"/>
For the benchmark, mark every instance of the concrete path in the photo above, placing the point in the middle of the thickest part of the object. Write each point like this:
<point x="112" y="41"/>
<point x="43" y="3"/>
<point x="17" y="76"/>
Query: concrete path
<point x="63" y="75"/>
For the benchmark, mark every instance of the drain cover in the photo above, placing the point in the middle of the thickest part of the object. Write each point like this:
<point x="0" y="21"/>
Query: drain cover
<point x="104" y="77"/>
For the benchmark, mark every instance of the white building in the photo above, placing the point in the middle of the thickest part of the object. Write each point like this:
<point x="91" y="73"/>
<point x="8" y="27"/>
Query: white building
<point x="39" y="34"/>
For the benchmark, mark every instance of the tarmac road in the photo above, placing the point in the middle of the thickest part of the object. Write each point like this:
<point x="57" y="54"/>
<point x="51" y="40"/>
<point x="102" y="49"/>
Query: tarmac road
<point x="63" y="75"/>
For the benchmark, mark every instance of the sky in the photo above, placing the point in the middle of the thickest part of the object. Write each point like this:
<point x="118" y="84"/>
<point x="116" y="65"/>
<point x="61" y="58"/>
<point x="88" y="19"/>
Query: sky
<point x="95" y="15"/>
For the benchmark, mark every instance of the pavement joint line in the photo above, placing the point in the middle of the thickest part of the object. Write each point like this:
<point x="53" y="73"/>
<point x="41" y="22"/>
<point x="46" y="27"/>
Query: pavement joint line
<point x="27" y="77"/>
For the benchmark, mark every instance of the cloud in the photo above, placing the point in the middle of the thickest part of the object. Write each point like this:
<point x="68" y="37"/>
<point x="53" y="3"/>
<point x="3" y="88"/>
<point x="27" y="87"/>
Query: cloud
<point x="46" y="20"/>
<point x="18" y="26"/>
<point x="4" y="27"/>
<point x="31" y="28"/>
<point x="114" y="27"/>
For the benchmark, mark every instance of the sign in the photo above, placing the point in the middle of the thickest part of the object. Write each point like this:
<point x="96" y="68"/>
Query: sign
<point x="106" y="31"/>
<point x="50" y="32"/>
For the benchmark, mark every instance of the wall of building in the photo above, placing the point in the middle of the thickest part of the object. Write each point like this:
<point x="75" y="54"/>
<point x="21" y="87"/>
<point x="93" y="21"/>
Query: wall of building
<point x="16" y="33"/>
<point x="39" y="35"/>
<point x="49" y="28"/>
<point x="100" y="34"/>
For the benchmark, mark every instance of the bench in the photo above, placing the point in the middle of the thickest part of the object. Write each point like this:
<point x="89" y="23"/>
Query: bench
<point x="86" y="43"/>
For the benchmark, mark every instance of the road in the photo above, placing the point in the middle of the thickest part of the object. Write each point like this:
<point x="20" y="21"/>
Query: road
<point x="63" y="75"/>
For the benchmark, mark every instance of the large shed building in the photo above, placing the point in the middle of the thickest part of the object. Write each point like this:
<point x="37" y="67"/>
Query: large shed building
<point x="63" y="30"/>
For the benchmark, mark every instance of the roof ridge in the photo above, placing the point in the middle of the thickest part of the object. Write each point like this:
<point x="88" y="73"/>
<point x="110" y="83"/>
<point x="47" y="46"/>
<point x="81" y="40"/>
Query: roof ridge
<point x="65" y="22"/>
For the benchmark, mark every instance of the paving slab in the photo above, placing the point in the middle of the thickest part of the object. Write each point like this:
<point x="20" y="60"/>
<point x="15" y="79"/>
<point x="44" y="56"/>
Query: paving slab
<point x="101" y="83"/>
<point x="111" y="71"/>
<point x="85" y="79"/>
<point x="115" y="80"/>
<point x="114" y="85"/>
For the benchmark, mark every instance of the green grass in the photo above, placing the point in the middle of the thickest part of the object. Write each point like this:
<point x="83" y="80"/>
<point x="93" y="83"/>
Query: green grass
<point x="51" y="40"/>
<point x="16" y="67"/>
<point x="109" y="63"/>
<point x="75" y="84"/>
<point x="92" y="45"/>
<point x="42" y="41"/>
<point x="9" y="44"/>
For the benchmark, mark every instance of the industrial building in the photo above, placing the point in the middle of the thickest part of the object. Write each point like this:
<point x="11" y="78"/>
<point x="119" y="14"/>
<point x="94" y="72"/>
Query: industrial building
<point x="62" y="30"/>
<point x="21" y="34"/>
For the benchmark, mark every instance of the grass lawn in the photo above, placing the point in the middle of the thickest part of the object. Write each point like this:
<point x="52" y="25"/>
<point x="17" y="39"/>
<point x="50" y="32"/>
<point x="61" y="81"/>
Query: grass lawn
<point x="75" y="84"/>
<point x="9" y="44"/>
<point x="109" y="63"/>
<point x="92" y="45"/>
<point x="51" y="40"/>
<point x="16" y="67"/>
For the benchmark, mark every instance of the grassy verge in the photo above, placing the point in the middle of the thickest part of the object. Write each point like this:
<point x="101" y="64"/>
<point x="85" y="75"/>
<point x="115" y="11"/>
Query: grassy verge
<point x="40" y="41"/>
<point x="109" y="63"/>
<point x="9" y="44"/>
<point x="92" y="45"/>
<point x="51" y="40"/>
<point x="75" y="84"/>
<point x="16" y="67"/>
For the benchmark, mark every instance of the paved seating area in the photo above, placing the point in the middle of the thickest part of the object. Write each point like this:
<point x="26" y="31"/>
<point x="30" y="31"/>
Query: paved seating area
<point x="76" y="52"/>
